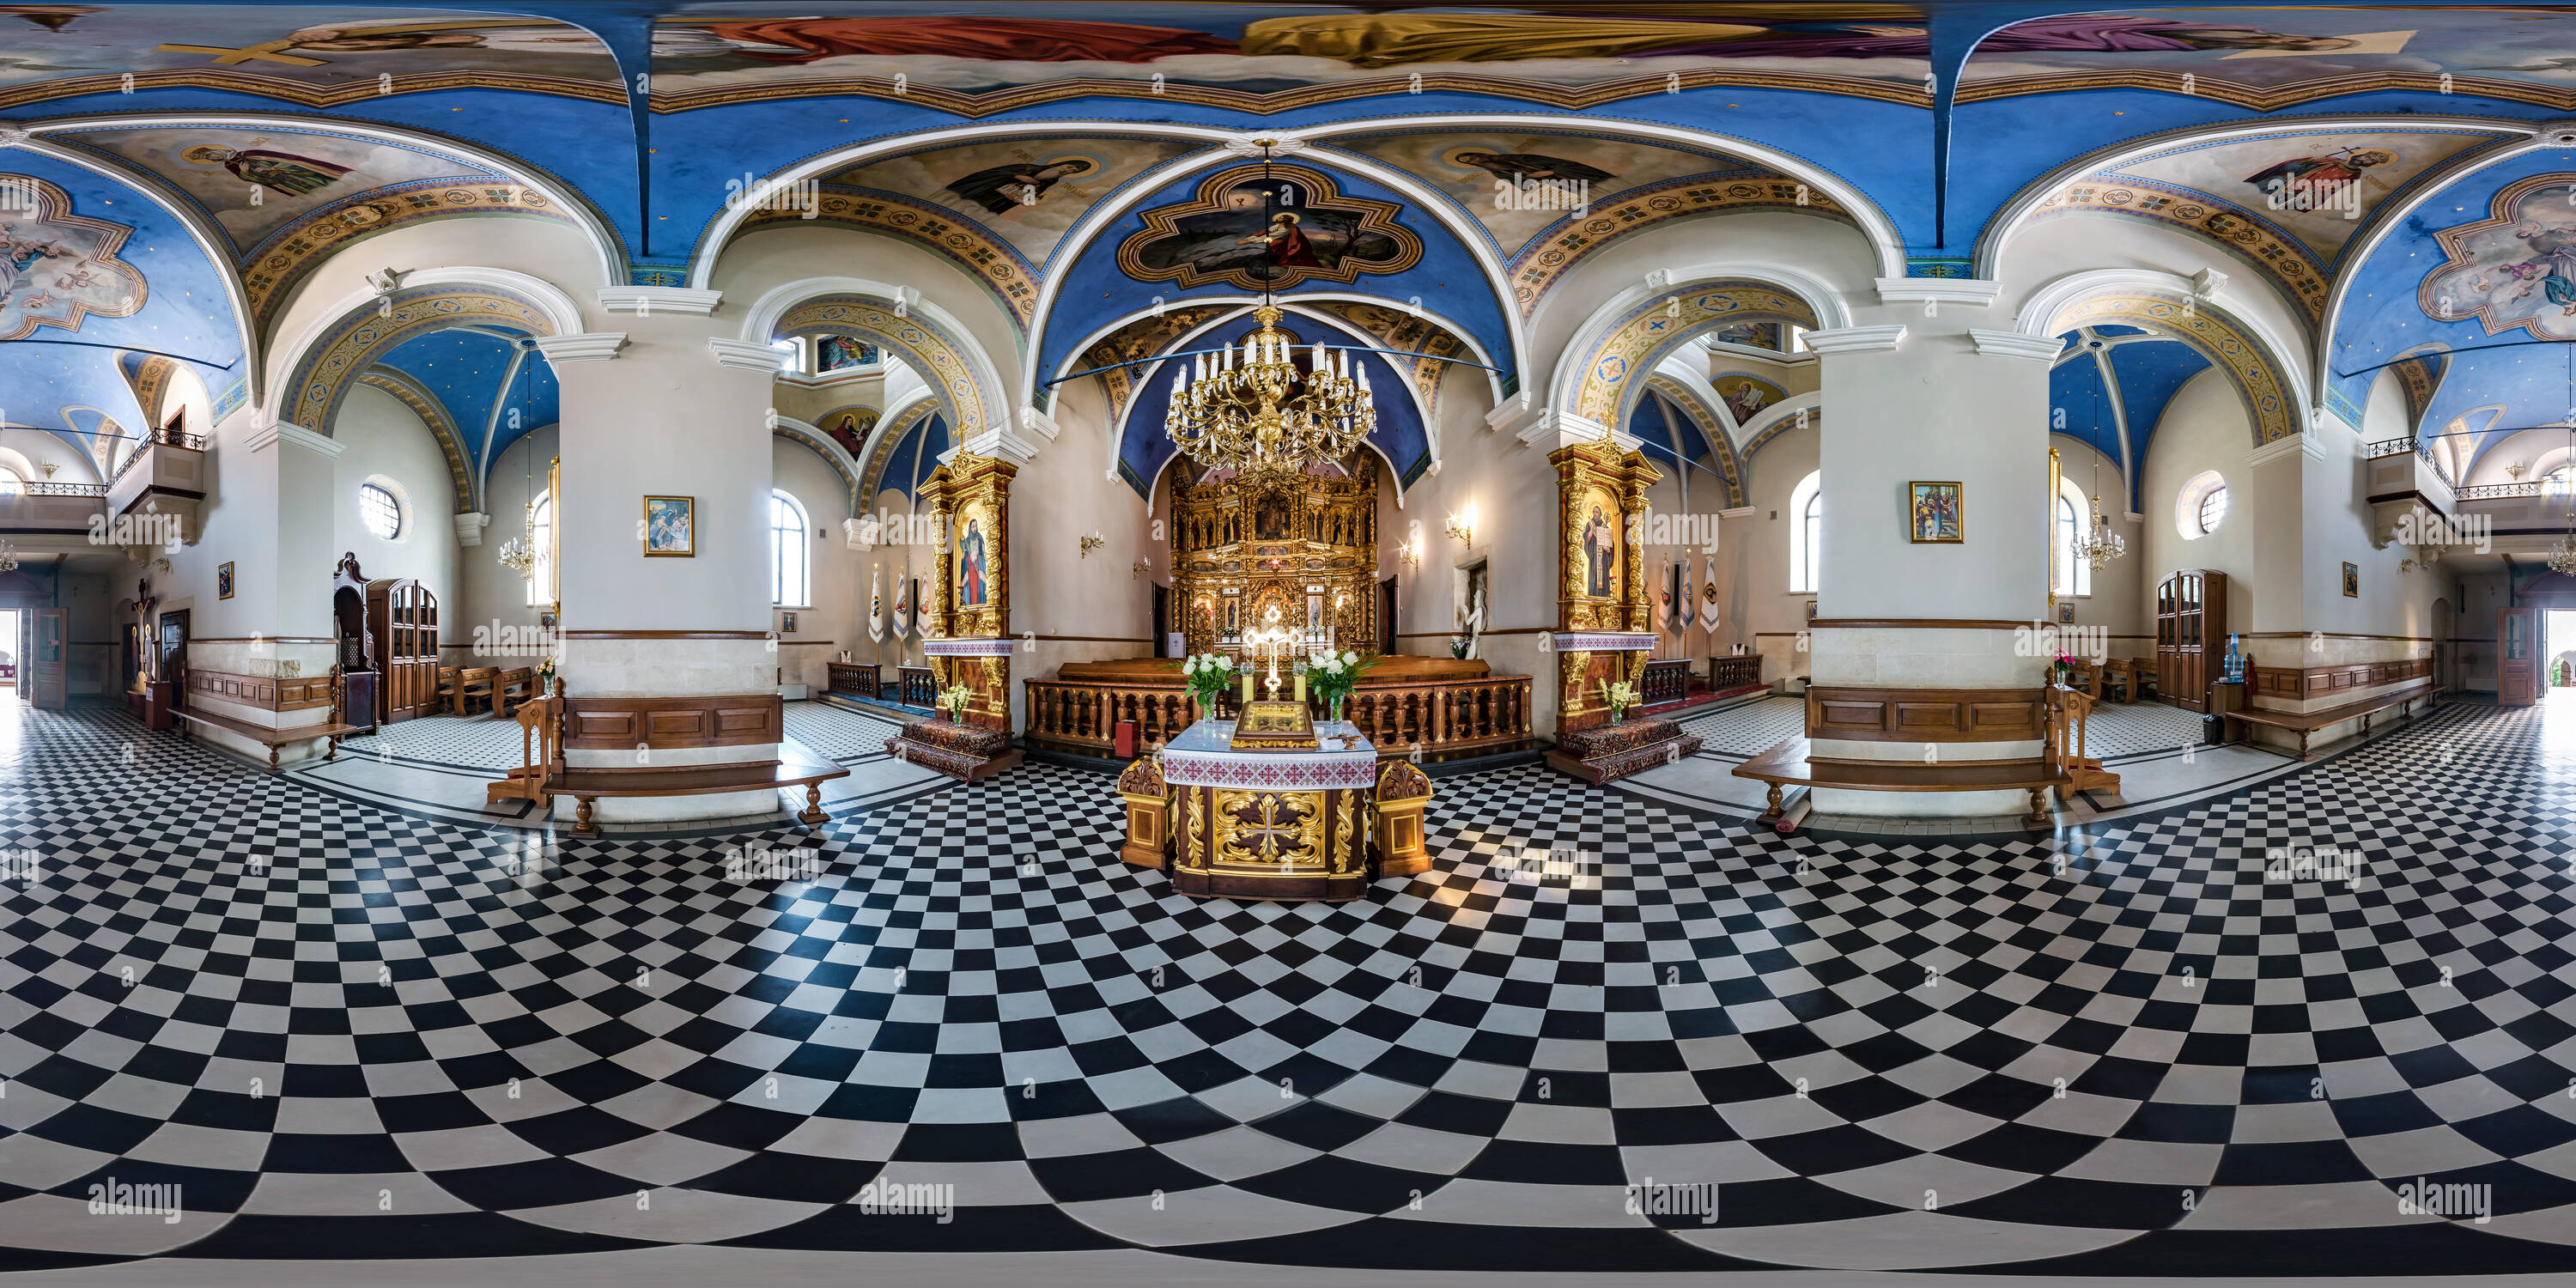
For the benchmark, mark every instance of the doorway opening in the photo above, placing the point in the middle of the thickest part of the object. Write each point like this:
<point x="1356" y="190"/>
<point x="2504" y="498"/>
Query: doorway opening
<point x="2558" y="649"/>
<point x="9" y="659"/>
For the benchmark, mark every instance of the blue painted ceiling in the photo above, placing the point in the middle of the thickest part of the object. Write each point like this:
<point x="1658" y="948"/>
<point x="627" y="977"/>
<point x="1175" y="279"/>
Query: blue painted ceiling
<point x="492" y="400"/>
<point x="2109" y="389"/>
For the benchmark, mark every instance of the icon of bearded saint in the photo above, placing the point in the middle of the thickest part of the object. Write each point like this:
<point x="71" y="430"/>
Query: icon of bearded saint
<point x="280" y="172"/>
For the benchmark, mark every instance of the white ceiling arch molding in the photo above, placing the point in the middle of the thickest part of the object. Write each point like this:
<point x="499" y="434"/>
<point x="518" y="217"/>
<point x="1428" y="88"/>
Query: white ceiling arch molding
<point x="719" y="233"/>
<point x="1808" y="407"/>
<point x="562" y="313"/>
<point x="1476" y="350"/>
<point x="1240" y="148"/>
<point x="2044" y="315"/>
<point x="897" y="416"/>
<point x="2392" y="216"/>
<point x="823" y="445"/>
<point x="210" y="240"/>
<point x="773" y="306"/>
<point x="1821" y="297"/>
<point x="1289" y="304"/>
<point x="2010" y="218"/>
<point x="606" y="248"/>
<point x="1884" y="241"/>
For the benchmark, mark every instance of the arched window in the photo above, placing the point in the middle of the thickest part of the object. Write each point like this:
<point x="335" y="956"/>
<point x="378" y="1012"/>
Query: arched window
<point x="541" y="527"/>
<point x="2074" y="522"/>
<point x="788" y="563"/>
<point x="1807" y="533"/>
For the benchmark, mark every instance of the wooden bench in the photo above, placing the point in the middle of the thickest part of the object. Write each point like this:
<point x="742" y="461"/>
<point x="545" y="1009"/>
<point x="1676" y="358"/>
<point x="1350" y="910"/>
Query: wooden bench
<point x="265" y="736"/>
<point x="2306" y="723"/>
<point x="1792" y="763"/>
<point x="795" y="767"/>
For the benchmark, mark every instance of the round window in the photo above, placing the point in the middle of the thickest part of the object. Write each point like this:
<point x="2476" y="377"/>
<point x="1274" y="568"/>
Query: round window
<point x="2202" y="506"/>
<point x="378" y="509"/>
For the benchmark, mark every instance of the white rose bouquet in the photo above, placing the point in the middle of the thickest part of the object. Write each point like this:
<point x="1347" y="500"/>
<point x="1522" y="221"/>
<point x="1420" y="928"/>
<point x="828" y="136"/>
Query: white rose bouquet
<point x="1209" y="676"/>
<point x="1332" y="679"/>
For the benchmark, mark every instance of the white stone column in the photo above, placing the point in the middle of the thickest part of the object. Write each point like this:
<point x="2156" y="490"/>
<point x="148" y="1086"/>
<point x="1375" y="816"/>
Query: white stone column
<point x="648" y="413"/>
<point x="1911" y="397"/>
<point x="280" y="483"/>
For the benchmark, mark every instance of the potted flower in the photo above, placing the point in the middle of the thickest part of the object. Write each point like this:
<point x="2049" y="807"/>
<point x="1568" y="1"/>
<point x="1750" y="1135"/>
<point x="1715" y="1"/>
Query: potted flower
<point x="1620" y="695"/>
<point x="1458" y="647"/>
<point x="952" y="703"/>
<point x="1209" y="676"/>
<point x="546" y="677"/>
<point x="1332" y="678"/>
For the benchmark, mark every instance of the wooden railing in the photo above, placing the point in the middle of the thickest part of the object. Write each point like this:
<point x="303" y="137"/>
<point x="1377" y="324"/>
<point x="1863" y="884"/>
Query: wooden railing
<point x="2068" y="711"/>
<point x="920" y="686"/>
<point x="1084" y="715"/>
<point x="1667" y="679"/>
<point x="857" y="679"/>
<point x="1442" y="715"/>
<point x="1734" y="670"/>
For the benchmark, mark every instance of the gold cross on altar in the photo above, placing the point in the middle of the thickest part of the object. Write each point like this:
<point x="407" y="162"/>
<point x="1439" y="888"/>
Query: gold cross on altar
<point x="267" y="53"/>
<point x="1268" y="835"/>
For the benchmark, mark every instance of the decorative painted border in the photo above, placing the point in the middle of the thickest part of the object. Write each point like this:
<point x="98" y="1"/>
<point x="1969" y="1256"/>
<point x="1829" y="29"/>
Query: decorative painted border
<point x="1322" y="190"/>
<point x="2248" y="366"/>
<point x="936" y="355"/>
<point x="1289" y="771"/>
<point x="1656" y="323"/>
<point x="1125" y="345"/>
<point x="2263" y="100"/>
<point x="1556" y="249"/>
<point x="1901" y="93"/>
<point x="1601" y="642"/>
<point x="1720" y="445"/>
<point x="968" y="647"/>
<point x="354" y="91"/>
<point x="1402" y="332"/>
<point x="1815" y="416"/>
<point x="889" y="437"/>
<point x="322" y="377"/>
<point x="2257" y="241"/>
<point x="272" y="269"/>
<point x="994" y="263"/>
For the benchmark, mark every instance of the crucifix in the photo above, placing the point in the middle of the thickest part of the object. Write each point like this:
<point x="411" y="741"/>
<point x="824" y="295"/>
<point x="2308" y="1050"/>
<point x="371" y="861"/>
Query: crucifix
<point x="1270" y="643"/>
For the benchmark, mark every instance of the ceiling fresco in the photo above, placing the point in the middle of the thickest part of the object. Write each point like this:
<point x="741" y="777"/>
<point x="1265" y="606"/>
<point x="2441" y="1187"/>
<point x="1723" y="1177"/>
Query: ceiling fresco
<point x="2277" y="56"/>
<point x="256" y="181"/>
<point x="2317" y="187"/>
<point x="2110" y="387"/>
<point x="1268" y="227"/>
<point x="1266" y="57"/>
<point x="58" y="268"/>
<point x="1520" y="185"/>
<point x="315" y="56"/>
<point x="1028" y="192"/>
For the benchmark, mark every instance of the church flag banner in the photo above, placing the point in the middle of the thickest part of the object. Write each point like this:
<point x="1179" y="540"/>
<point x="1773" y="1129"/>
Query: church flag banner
<point x="876" y="607"/>
<point x="1683" y="613"/>
<point x="920" y="611"/>
<point x="902" y="607"/>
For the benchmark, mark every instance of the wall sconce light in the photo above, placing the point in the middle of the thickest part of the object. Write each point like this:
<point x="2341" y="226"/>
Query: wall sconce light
<point x="2413" y="565"/>
<point x="1463" y="526"/>
<point x="1410" y="557"/>
<point x="48" y="467"/>
<point x="1093" y="542"/>
<point x="1138" y="570"/>
<point x="2514" y="471"/>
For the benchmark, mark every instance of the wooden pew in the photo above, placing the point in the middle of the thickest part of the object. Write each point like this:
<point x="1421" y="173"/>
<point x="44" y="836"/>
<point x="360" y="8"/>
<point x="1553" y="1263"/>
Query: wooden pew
<point x="2306" y="723"/>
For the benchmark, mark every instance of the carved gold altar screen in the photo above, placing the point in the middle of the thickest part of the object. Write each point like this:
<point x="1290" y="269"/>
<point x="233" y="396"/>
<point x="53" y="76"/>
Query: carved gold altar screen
<point x="1307" y="549"/>
<point x="970" y="499"/>
<point x="1601" y="507"/>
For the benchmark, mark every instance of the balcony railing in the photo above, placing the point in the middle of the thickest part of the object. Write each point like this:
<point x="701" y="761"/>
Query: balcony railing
<point x="66" y="489"/>
<point x="2500" y="491"/>
<point x="2391" y="447"/>
<point x="167" y="438"/>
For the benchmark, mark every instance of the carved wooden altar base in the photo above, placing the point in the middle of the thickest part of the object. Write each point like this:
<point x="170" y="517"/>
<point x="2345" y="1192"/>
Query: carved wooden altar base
<point x="1605" y="752"/>
<point x="963" y="752"/>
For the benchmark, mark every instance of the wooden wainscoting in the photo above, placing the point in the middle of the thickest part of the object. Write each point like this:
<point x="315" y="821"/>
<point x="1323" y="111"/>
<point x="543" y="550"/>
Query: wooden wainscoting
<point x="622" y="724"/>
<point x="1928" y="715"/>
<point x="2298" y="684"/>
<point x="268" y="693"/>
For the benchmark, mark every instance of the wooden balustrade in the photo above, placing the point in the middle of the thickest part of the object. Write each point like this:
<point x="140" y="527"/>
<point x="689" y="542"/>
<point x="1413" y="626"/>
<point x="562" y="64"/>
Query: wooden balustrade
<point x="1734" y="670"/>
<point x="920" y="686"/>
<point x="1667" y="679"/>
<point x="856" y="679"/>
<point x="1442" y="715"/>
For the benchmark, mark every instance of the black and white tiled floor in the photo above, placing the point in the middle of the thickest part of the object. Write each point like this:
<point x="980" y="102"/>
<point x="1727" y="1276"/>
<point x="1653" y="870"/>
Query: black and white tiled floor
<point x="341" y="1031"/>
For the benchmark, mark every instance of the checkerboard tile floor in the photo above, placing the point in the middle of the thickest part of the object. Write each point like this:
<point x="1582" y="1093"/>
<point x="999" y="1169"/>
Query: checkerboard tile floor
<point x="343" y="1032"/>
<point x="492" y="744"/>
<point x="1742" y="732"/>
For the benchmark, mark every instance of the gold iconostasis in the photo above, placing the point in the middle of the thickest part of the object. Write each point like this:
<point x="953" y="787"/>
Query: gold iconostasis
<point x="1305" y="550"/>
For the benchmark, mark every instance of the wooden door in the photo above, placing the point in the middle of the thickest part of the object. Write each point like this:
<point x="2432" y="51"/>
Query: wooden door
<point x="45" y="679"/>
<point x="2517" y="656"/>
<point x="1162" y="619"/>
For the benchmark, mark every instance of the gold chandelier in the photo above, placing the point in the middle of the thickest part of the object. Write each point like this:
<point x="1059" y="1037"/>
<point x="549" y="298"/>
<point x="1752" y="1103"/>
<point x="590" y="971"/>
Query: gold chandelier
<point x="1254" y="410"/>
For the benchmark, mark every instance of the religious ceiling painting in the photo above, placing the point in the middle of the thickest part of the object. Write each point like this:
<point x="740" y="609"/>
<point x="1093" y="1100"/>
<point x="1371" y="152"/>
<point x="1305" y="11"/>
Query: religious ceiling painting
<point x="1028" y="192"/>
<point x="1271" y="57"/>
<point x="316" y="57"/>
<point x="849" y="427"/>
<point x="1415" y="344"/>
<point x="1745" y="395"/>
<point x="1268" y="228"/>
<point x="2267" y="58"/>
<point x="845" y="353"/>
<point x="2516" y="268"/>
<point x="56" y="267"/>
<point x="2318" y="188"/>
<point x="1518" y="185"/>
<point x="1771" y="336"/>
<point x="256" y="181"/>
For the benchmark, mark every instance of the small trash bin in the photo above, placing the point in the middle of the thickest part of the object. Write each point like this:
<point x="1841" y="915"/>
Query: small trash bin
<point x="2212" y="729"/>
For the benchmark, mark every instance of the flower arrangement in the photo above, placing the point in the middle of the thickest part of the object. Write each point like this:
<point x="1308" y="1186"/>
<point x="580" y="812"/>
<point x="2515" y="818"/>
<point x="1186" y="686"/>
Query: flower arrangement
<point x="1621" y="696"/>
<point x="953" y="701"/>
<point x="546" y="676"/>
<point x="1458" y="647"/>
<point x="1332" y="678"/>
<point x="2064" y="667"/>
<point x="1209" y="676"/>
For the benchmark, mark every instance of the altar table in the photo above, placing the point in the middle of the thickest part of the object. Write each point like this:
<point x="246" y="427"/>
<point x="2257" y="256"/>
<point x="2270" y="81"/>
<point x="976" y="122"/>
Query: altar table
<point x="1272" y="824"/>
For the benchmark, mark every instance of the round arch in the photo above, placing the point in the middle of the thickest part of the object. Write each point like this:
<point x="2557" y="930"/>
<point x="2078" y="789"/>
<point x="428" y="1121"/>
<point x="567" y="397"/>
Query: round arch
<point x="821" y="444"/>
<point x="931" y="338"/>
<point x="339" y="345"/>
<point x="1597" y="377"/>
<point x="2255" y="361"/>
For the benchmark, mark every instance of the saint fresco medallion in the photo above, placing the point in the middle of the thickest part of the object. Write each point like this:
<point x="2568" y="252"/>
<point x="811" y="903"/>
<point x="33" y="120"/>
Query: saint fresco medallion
<point x="1268" y="229"/>
<point x="56" y="267"/>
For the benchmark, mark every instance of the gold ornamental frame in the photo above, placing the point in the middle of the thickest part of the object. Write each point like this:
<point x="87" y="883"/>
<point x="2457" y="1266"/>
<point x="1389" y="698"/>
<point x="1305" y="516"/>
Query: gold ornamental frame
<point x="973" y="484"/>
<point x="1625" y="475"/>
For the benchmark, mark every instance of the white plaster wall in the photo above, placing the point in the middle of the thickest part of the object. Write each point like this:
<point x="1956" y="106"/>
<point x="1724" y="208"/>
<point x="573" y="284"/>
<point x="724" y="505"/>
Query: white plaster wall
<point x="826" y="623"/>
<point x="2204" y="427"/>
<point x="488" y="594"/>
<point x="380" y="437"/>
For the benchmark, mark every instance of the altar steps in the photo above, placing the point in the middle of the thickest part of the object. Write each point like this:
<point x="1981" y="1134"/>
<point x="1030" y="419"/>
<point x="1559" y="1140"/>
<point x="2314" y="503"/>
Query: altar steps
<point x="966" y="753"/>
